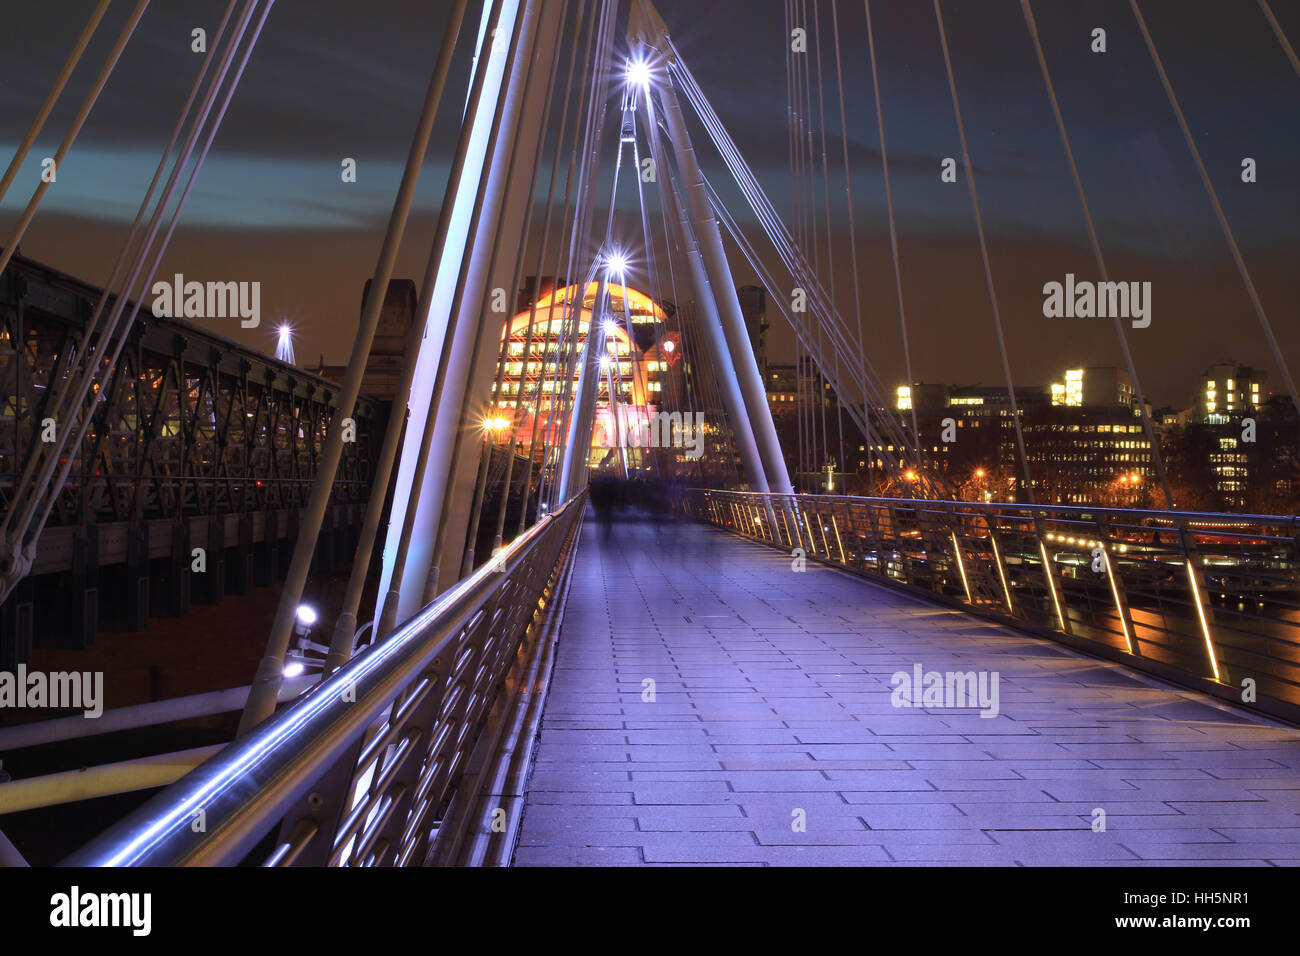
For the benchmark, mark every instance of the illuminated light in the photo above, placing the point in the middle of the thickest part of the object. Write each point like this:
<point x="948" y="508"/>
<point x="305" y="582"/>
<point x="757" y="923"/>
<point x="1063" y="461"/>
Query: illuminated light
<point x="604" y="362"/>
<point x="294" y="668"/>
<point x="611" y="327"/>
<point x="1051" y="584"/>
<point x="979" y="472"/>
<point x="669" y="346"/>
<point x="911" y="476"/>
<point x="284" y="344"/>
<point x="638" y="73"/>
<point x="1205" y="625"/>
<point x="997" y="556"/>
<point x="306" y="614"/>
<point x="616" y="264"/>
<point x="961" y="567"/>
<point x="838" y="542"/>
<point x="1119" y="609"/>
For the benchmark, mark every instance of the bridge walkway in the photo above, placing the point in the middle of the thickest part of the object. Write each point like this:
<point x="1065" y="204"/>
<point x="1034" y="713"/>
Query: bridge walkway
<point x="769" y="735"/>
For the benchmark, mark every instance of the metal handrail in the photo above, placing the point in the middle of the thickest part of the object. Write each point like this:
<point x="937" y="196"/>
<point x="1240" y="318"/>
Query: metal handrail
<point x="1207" y="599"/>
<point x="363" y="744"/>
<point x="1193" y="517"/>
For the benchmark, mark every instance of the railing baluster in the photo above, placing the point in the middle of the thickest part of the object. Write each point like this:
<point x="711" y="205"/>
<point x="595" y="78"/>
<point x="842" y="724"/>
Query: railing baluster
<point x="910" y="541"/>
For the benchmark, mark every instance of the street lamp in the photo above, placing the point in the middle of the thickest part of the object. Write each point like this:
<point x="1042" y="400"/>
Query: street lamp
<point x="638" y="73"/>
<point x="616" y="264"/>
<point x="296" y="663"/>
<point x="284" y="344"/>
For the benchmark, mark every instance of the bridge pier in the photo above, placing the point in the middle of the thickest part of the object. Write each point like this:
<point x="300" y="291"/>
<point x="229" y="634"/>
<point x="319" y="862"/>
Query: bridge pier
<point x="326" y="553"/>
<point x="169" y="577"/>
<point x="124" y="594"/>
<point x="266" y="560"/>
<point x="209" y="587"/>
<point x="241" y="560"/>
<point x="16" y="626"/>
<point x="71" y="599"/>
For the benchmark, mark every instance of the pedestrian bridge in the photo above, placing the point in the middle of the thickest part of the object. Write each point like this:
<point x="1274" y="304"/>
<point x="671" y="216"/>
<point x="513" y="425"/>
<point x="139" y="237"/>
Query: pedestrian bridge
<point x="773" y="733"/>
<point x="660" y="691"/>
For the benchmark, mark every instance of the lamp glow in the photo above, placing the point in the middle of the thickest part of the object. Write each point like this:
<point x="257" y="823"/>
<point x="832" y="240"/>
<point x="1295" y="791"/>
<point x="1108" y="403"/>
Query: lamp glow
<point x="638" y="73"/>
<point x="284" y="344"/>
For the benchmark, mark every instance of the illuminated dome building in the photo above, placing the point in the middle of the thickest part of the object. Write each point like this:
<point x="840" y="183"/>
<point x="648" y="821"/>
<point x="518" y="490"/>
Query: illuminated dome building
<point x="640" y="369"/>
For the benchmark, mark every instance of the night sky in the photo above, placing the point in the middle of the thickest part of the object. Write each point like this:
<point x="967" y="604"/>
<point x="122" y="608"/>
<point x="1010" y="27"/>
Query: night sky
<point x="336" y="78"/>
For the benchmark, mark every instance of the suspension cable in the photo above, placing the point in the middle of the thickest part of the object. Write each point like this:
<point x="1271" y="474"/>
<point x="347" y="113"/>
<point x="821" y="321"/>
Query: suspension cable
<point x="893" y="229"/>
<point x="984" y="254"/>
<point x="1152" y="438"/>
<point x="70" y="137"/>
<point x="589" y="59"/>
<point x="1218" y="209"/>
<point x="52" y="97"/>
<point x="826" y="189"/>
<point x="485" y="459"/>
<point x="1277" y="31"/>
<point x="853" y="240"/>
<point x="526" y="355"/>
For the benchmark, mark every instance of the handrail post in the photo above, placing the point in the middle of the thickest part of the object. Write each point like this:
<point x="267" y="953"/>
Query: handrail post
<point x="1000" y="561"/>
<point x="1116" y="583"/>
<point x="1200" y="598"/>
<point x="1055" y="592"/>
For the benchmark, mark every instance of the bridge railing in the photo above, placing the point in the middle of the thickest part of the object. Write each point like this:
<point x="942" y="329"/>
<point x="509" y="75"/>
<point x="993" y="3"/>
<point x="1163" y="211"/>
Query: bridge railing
<point x="360" y="770"/>
<point x="1209" y="600"/>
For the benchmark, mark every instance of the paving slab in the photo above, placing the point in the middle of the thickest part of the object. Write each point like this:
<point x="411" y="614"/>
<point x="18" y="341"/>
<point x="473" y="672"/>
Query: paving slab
<point x="711" y="706"/>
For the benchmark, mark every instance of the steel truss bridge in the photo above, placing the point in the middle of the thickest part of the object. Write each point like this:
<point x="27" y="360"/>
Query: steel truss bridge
<point x="194" y="441"/>
<point x="409" y="747"/>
